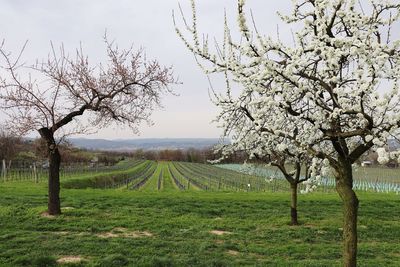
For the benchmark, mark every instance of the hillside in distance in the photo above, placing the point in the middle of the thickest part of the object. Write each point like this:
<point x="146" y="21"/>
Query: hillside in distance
<point x="145" y="143"/>
<point x="162" y="143"/>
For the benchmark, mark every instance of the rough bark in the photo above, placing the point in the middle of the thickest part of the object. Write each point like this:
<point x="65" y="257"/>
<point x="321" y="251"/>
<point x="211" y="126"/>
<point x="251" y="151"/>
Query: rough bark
<point x="54" y="205"/>
<point x="344" y="187"/>
<point x="293" y="205"/>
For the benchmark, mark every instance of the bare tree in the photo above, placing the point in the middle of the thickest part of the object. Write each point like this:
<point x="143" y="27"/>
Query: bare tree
<point x="52" y="94"/>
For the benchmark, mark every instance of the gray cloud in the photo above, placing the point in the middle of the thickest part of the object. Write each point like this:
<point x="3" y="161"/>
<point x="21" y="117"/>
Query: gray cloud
<point x="143" y="23"/>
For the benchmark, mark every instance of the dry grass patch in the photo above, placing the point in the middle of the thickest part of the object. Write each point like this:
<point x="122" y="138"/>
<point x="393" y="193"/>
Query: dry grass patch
<point x="62" y="233"/>
<point x="220" y="232"/>
<point x="69" y="259"/>
<point x="123" y="232"/>
<point x="137" y="234"/>
<point x="45" y="214"/>
<point x="65" y="233"/>
<point x="107" y="235"/>
<point x="119" y="230"/>
<point x="233" y="252"/>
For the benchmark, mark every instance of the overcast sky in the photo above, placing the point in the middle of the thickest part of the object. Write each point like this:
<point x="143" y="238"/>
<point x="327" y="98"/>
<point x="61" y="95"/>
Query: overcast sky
<point x="143" y="23"/>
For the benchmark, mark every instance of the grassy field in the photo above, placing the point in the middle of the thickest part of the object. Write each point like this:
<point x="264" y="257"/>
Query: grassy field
<point x="169" y="227"/>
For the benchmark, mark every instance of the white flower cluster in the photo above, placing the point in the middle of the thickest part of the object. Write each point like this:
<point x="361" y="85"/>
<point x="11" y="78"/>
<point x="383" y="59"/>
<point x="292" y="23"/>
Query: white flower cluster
<point x="383" y="156"/>
<point x="321" y="98"/>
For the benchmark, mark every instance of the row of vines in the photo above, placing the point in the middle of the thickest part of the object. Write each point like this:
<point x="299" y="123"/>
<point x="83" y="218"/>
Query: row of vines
<point x="160" y="176"/>
<point x="157" y="176"/>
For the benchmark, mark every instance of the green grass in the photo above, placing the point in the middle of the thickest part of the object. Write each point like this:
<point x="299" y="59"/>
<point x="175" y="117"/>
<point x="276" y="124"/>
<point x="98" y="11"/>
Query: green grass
<point x="180" y="223"/>
<point x="152" y="184"/>
<point x="168" y="183"/>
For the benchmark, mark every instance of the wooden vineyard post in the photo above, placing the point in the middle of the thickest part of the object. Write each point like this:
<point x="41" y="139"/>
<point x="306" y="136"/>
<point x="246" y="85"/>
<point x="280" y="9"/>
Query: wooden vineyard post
<point x="35" y="174"/>
<point x="188" y="185"/>
<point x="4" y="170"/>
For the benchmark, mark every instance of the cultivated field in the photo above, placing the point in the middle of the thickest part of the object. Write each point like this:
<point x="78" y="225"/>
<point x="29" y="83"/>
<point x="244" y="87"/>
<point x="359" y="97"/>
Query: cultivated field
<point x="156" y="176"/>
<point x="150" y="176"/>
<point x="185" y="214"/>
<point x="372" y="179"/>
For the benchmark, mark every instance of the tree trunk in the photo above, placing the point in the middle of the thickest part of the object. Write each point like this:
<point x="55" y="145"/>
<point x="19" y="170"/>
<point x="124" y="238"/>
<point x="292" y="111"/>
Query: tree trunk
<point x="344" y="186"/>
<point x="54" y="206"/>
<point x="293" y="205"/>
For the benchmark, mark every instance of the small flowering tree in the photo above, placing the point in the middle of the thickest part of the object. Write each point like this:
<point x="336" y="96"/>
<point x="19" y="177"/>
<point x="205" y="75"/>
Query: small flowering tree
<point x="247" y="136"/>
<point x="338" y="82"/>
<point x="59" y="91"/>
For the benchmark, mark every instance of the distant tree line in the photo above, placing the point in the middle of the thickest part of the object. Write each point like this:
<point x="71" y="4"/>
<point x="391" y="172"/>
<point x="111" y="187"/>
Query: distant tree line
<point x="17" y="149"/>
<point x="203" y="155"/>
<point x="33" y="150"/>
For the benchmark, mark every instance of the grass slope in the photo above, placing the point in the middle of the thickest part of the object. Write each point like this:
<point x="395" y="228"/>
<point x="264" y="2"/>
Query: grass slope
<point x="133" y="228"/>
